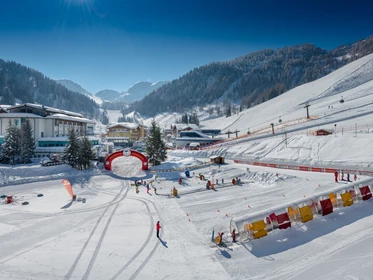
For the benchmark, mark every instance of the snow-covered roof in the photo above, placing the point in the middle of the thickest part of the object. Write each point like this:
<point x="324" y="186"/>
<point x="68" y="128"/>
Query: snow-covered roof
<point x="181" y="126"/>
<point x="124" y="124"/>
<point x="69" y="118"/>
<point x="50" y="109"/>
<point x="20" y="115"/>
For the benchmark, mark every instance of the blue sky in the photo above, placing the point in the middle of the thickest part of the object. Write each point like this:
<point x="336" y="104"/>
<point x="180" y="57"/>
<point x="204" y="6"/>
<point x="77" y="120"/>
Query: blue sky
<point x="114" y="43"/>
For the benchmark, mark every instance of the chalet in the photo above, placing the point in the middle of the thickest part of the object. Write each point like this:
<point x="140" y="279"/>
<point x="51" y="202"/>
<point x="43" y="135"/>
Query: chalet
<point x="123" y="134"/>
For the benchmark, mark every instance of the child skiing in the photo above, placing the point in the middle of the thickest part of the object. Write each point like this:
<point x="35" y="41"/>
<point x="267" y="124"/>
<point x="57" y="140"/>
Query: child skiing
<point x="158" y="227"/>
<point x="234" y="235"/>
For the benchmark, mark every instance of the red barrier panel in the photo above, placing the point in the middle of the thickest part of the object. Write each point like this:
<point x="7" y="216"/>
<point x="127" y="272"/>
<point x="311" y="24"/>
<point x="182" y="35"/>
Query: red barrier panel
<point x="306" y="168"/>
<point x="303" y="168"/>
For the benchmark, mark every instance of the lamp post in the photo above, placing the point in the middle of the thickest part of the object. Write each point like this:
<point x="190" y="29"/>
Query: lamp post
<point x="335" y="130"/>
<point x="306" y="106"/>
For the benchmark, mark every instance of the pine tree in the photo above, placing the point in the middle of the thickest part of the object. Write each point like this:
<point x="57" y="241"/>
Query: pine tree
<point x="27" y="142"/>
<point x="12" y="145"/>
<point x="85" y="153"/>
<point x="155" y="146"/>
<point x="71" y="152"/>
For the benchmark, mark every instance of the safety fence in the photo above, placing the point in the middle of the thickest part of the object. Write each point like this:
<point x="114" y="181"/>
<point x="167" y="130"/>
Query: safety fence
<point x="305" y="167"/>
<point x="181" y="168"/>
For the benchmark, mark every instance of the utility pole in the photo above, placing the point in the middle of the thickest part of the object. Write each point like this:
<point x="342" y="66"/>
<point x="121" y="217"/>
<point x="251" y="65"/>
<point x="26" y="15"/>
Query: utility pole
<point x="306" y="106"/>
<point x="273" y="129"/>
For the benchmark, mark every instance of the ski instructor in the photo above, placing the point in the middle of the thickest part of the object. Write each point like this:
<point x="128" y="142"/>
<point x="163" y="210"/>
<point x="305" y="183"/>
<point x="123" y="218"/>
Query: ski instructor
<point x="158" y="227"/>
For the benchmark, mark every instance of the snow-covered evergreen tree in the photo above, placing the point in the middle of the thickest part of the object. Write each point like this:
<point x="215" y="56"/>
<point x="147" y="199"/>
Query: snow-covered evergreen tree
<point x="85" y="153"/>
<point x="155" y="146"/>
<point x="27" y="142"/>
<point x="71" y="152"/>
<point x="12" y="145"/>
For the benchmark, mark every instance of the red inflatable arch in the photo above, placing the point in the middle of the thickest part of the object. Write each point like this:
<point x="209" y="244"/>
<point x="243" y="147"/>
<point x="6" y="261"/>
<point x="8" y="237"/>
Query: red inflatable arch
<point x="126" y="153"/>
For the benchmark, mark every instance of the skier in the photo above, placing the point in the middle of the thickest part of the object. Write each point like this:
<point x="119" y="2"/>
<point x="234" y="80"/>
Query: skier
<point x="234" y="235"/>
<point x="348" y="177"/>
<point x="147" y="188"/>
<point x="155" y="190"/>
<point x="355" y="177"/>
<point x="158" y="227"/>
<point x="336" y="176"/>
<point x="221" y="238"/>
<point x="180" y="181"/>
<point x="222" y="181"/>
<point x="343" y="176"/>
<point x="137" y="189"/>
<point x="217" y="181"/>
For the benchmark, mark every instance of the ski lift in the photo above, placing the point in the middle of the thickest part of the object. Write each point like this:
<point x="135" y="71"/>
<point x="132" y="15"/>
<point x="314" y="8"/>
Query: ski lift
<point x="341" y="101"/>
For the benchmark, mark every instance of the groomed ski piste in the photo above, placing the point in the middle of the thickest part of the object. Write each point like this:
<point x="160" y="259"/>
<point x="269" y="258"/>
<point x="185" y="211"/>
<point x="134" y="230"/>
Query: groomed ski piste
<point x="112" y="235"/>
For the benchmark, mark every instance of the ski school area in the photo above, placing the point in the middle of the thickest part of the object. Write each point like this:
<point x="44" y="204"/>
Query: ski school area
<point x="289" y="224"/>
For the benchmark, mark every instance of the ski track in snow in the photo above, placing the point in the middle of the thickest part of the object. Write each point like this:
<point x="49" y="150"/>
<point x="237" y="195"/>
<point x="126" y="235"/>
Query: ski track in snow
<point x="97" y="250"/>
<point x="144" y="245"/>
<point x="115" y="200"/>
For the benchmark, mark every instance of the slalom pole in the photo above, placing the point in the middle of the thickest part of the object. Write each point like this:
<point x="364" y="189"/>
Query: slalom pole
<point x="212" y="237"/>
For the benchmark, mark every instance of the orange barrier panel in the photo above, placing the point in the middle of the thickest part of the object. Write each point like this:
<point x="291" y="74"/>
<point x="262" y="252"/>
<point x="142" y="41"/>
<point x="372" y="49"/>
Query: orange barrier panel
<point x="330" y="170"/>
<point x="316" y="169"/>
<point x="272" y="165"/>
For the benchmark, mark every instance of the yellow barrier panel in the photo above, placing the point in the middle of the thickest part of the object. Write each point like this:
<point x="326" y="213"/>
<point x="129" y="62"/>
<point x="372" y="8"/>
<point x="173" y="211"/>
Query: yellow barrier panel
<point x="347" y="199"/>
<point x="333" y="199"/>
<point x="259" y="229"/>
<point x="306" y="213"/>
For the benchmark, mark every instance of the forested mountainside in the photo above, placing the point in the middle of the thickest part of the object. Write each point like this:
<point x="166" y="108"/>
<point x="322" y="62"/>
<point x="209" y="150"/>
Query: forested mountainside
<point x="250" y="79"/>
<point x="22" y="84"/>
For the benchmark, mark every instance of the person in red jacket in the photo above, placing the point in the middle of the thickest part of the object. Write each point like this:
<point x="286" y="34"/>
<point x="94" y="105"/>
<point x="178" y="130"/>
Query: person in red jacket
<point x="234" y="235"/>
<point x="158" y="227"/>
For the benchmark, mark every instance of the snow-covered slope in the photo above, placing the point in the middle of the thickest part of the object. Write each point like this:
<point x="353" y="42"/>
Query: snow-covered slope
<point x="74" y="87"/>
<point x="353" y="82"/>
<point x="108" y="94"/>
<point x="139" y="90"/>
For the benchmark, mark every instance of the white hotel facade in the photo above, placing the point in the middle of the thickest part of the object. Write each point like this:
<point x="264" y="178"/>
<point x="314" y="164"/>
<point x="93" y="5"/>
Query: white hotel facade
<point x="51" y="126"/>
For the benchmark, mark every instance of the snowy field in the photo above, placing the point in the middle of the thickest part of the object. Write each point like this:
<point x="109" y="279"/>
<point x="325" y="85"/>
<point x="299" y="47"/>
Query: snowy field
<point x="112" y="235"/>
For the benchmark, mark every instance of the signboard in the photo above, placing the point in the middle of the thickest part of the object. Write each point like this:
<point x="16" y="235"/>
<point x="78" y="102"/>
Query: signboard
<point x="126" y="152"/>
